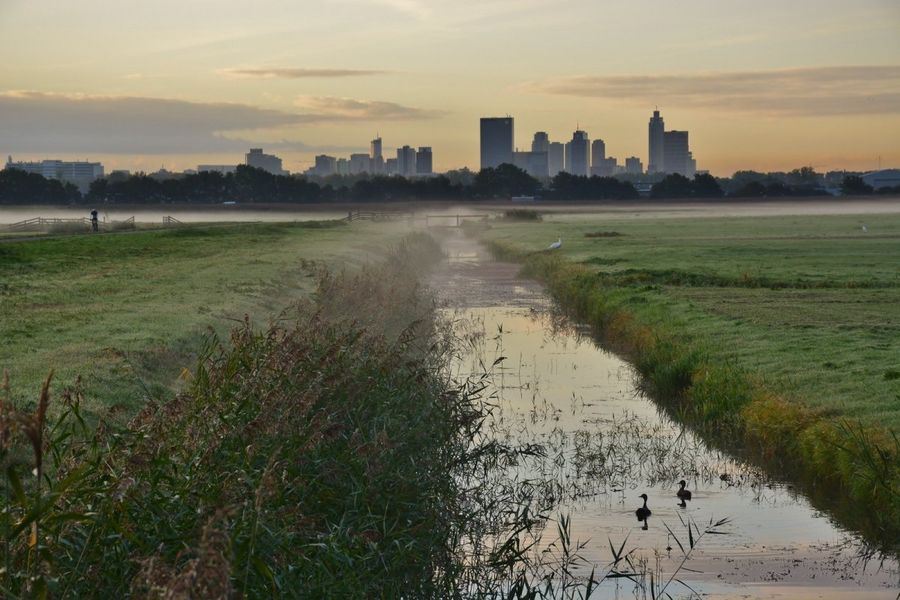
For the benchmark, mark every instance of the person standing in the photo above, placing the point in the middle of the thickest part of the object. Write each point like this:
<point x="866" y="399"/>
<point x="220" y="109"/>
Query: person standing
<point x="95" y="224"/>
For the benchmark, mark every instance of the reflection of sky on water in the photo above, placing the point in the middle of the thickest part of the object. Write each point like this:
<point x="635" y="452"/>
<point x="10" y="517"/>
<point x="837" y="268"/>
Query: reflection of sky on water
<point x="607" y="443"/>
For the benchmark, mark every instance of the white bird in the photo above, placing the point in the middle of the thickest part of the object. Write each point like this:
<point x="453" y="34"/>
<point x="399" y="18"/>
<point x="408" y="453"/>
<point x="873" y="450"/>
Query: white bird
<point x="555" y="245"/>
<point x="865" y="229"/>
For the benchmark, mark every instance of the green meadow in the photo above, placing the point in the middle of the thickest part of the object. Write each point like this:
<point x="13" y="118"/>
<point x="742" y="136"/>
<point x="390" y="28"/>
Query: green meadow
<point x="809" y="305"/>
<point x="128" y="312"/>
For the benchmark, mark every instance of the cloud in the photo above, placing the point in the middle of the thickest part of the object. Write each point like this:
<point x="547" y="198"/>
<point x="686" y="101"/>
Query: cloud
<point x="349" y="109"/>
<point x="39" y="122"/>
<point x="297" y="73"/>
<point x="810" y="91"/>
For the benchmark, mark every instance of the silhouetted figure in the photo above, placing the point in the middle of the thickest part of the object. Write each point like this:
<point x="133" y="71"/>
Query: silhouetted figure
<point x="643" y="513"/>
<point x="95" y="224"/>
<point x="683" y="494"/>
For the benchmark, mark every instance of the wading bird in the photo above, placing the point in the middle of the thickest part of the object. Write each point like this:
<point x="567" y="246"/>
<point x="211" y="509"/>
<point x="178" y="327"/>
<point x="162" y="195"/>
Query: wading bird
<point x="643" y="513"/>
<point x="555" y="245"/>
<point x="865" y="229"/>
<point x="683" y="494"/>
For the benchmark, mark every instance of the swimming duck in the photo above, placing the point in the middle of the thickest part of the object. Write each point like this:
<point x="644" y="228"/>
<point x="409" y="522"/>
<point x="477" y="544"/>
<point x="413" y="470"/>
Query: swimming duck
<point x="683" y="494"/>
<point x="643" y="513"/>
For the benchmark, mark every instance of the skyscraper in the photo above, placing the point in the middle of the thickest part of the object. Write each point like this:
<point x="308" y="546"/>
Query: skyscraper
<point x="360" y="163"/>
<point x="676" y="153"/>
<point x="633" y="165"/>
<point x="424" y="161"/>
<point x="598" y="157"/>
<point x="657" y="162"/>
<point x="406" y="161"/>
<point x="377" y="158"/>
<point x="541" y="142"/>
<point x="496" y="141"/>
<point x="578" y="162"/>
<point x="556" y="161"/>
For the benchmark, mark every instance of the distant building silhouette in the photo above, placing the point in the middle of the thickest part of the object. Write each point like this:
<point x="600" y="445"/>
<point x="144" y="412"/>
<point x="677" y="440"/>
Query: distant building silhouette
<point x="78" y="173"/>
<point x="556" y="158"/>
<point x="882" y="178"/>
<point x="657" y="141"/>
<point x="266" y="162"/>
<point x="360" y="163"/>
<point x="496" y="141"/>
<point x="677" y="156"/>
<point x="343" y="166"/>
<point x="578" y="157"/>
<point x="598" y="158"/>
<point x="325" y="165"/>
<point x="406" y="161"/>
<point x="541" y="142"/>
<point x="390" y="166"/>
<point x="533" y="163"/>
<point x="424" y="161"/>
<point x="633" y="165"/>
<point x="376" y="155"/>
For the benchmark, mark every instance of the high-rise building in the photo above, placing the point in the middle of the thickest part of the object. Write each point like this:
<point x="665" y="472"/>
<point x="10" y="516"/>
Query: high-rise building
<point x="598" y="156"/>
<point x="496" y="141"/>
<point x="676" y="153"/>
<point x="376" y="155"/>
<point x="78" y="173"/>
<point x="533" y="163"/>
<point x="657" y="152"/>
<point x="343" y="166"/>
<point x="541" y="142"/>
<point x="325" y="165"/>
<point x="578" y="161"/>
<point x="390" y="166"/>
<point x="633" y="165"/>
<point x="556" y="161"/>
<point x="360" y="163"/>
<point x="266" y="162"/>
<point x="424" y="164"/>
<point x="406" y="161"/>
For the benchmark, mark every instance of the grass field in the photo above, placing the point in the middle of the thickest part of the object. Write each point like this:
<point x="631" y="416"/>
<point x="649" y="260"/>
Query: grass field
<point x="127" y="312"/>
<point x="811" y="305"/>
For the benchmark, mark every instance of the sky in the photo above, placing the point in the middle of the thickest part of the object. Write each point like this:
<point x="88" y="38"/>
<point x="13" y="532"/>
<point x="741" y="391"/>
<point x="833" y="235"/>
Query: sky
<point x="764" y="84"/>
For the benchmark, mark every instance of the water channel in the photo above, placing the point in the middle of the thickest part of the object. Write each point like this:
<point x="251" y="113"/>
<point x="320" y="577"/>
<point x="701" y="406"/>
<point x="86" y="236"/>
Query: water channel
<point x="606" y="443"/>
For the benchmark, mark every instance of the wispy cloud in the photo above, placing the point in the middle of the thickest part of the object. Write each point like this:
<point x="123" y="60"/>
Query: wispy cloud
<point x="297" y="72"/>
<point x="810" y="91"/>
<point x="328" y="108"/>
<point x="40" y="122"/>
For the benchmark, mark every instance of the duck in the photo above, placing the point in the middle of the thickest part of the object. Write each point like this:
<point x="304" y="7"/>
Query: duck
<point x="683" y="494"/>
<point x="643" y="513"/>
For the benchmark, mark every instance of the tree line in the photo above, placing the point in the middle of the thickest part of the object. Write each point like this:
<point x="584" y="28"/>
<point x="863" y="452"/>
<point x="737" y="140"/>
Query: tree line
<point x="251" y="185"/>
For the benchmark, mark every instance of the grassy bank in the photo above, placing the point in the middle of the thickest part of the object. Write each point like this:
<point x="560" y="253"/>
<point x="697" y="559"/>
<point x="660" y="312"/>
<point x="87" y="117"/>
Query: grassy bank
<point x="780" y="336"/>
<point x="128" y="312"/>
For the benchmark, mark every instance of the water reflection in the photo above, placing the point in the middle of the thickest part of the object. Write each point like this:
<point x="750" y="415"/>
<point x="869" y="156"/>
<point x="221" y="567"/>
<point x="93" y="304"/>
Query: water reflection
<point x="596" y="443"/>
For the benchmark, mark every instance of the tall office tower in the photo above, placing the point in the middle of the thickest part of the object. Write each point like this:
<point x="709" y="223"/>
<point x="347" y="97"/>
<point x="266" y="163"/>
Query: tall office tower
<point x="496" y="141"/>
<point x="266" y="162"/>
<point x="360" y="163"/>
<point x="541" y="142"/>
<point x="633" y="165"/>
<point x="556" y="161"/>
<point x="390" y="167"/>
<point x="325" y="165"/>
<point x="579" y="160"/>
<point x="657" y="157"/>
<point x="406" y="161"/>
<point x="676" y="154"/>
<point x="424" y="164"/>
<point x="598" y="156"/>
<point x="376" y="156"/>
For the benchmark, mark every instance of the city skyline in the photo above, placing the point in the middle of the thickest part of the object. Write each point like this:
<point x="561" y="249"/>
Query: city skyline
<point x="179" y="85"/>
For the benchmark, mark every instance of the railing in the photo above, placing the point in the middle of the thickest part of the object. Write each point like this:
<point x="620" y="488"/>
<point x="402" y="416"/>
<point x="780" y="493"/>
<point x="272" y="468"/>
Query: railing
<point x="41" y="222"/>
<point x="170" y="220"/>
<point x="442" y="219"/>
<point x="369" y="215"/>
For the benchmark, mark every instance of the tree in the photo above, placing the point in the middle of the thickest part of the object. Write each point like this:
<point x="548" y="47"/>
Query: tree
<point x="673" y="186"/>
<point x="706" y="186"/>
<point x="853" y="185"/>
<point x="504" y="181"/>
<point x="751" y="189"/>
